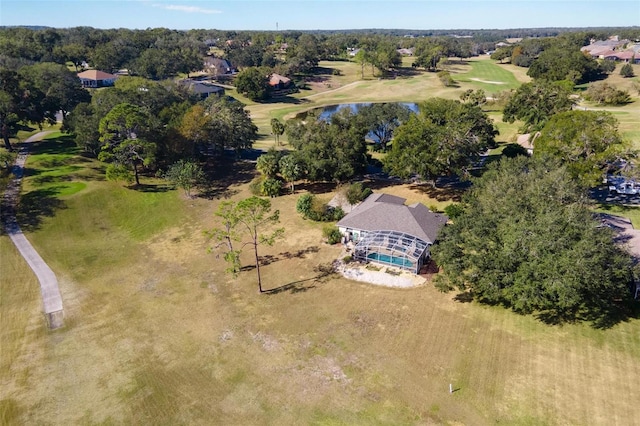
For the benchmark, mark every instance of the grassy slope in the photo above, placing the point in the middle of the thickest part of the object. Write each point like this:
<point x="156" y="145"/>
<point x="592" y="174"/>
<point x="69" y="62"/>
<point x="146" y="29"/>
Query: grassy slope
<point x="157" y="333"/>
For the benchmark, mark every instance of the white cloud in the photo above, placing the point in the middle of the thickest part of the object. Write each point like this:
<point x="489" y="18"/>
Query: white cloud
<point x="185" y="8"/>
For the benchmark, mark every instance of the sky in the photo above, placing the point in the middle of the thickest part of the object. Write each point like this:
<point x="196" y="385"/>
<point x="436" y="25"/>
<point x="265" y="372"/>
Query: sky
<point x="320" y="14"/>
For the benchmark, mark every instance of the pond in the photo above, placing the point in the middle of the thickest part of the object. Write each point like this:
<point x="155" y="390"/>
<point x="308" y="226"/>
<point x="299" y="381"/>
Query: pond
<point x="326" y="112"/>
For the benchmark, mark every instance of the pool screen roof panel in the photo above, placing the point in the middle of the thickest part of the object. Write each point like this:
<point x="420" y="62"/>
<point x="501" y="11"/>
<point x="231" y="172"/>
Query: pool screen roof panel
<point x="395" y="243"/>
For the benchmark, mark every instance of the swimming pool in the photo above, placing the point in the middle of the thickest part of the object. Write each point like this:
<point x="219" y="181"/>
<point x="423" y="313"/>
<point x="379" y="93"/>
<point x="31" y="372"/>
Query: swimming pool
<point x="395" y="261"/>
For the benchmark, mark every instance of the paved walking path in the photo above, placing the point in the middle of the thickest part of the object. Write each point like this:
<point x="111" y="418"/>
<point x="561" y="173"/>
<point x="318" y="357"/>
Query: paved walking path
<point x="51" y="299"/>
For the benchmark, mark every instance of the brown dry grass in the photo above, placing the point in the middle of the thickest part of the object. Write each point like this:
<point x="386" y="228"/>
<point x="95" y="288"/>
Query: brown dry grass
<point x="156" y="333"/>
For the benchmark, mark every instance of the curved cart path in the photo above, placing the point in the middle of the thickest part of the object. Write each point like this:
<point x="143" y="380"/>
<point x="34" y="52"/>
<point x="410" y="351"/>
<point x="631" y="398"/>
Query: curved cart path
<point x="51" y="299"/>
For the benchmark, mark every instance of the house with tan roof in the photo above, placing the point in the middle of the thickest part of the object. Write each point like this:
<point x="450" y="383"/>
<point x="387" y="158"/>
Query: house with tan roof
<point x="96" y="78"/>
<point x="387" y="231"/>
<point x="279" y="82"/>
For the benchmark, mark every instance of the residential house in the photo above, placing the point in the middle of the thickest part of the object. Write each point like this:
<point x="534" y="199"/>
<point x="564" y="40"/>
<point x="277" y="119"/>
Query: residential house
<point x="96" y="78"/>
<point x="602" y="48"/>
<point x="406" y="52"/>
<point x="279" y="82"/>
<point x="203" y="89"/>
<point x="387" y="231"/>
<point x="624" y="56"/>
<point x="217" y="66"/>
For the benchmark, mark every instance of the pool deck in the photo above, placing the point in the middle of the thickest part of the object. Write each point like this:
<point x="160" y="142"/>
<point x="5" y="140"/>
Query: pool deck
<point x="387" y="276"/>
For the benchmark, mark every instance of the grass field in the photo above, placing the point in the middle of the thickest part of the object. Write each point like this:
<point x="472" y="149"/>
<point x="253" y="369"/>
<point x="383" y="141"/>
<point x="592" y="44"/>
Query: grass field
<point x="485" y="74"/>
<point x="156" y="333"/>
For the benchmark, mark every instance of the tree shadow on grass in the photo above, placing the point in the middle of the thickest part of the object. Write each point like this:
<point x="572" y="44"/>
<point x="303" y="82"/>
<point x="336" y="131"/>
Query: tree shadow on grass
<point x="324" y="272"/>
<point x="600" y="317"/>
<point x="464" y="297"/>
<point x="299" y="254"/>
<point x="601" y="314"/>
<point x="223" y="174"/>
<point x="64" y="145"/>
<point x="151" y="188"/>
<point x="316" y="187"/>
<point x="286" y="99"/>
<point x="36" y="205"/>
<point x="440" y="193"/>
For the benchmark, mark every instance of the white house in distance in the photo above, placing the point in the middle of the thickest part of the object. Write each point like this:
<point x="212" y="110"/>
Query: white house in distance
<point x="387" y="231"/>
<point x="96" y="78"/>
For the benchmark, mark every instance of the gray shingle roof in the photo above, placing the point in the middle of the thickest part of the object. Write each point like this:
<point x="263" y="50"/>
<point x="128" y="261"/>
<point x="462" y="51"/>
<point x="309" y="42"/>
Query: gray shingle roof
<point x="202" y="88"/>
<point x="388" y="212"/>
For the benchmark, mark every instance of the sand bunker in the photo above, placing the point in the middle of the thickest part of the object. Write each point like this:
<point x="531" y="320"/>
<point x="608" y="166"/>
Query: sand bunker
<point x="487" y="81"/>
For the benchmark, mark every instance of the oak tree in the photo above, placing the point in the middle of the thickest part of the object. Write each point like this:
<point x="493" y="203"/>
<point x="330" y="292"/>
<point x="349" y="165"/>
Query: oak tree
<point x="445" y="137"/>
<point x="526" y="239"/>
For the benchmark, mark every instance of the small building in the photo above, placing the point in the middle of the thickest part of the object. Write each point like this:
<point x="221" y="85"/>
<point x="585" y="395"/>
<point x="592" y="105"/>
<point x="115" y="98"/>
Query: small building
<point x="387" y="231"/>
<point x="96" y="78"/>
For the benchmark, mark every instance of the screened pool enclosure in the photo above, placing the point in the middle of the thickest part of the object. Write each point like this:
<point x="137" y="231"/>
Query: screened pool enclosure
<point x="392" y="248"/>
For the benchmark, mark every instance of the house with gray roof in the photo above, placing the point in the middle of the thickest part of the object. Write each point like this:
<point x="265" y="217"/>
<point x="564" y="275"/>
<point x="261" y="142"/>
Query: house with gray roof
<point x="203" y="89"/>
<point x="217" y="66"/>
<point x="387" y="231"/>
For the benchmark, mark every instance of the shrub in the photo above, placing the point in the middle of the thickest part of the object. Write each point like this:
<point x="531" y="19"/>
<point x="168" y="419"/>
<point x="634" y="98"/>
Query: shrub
<point x="347" y="259"/>
<point x="311" y="208"/>
<point x="255" y="187"/>
<point x="119" y="173"/>
<point x="626" y="71"/>
<point x="446" y="79"/>
<point x="606" y="94"/>
<point x="271" y="187"/>
<point x="607" y="66"/>
<point x="335" y="213"/>
<point x="355" y="193"/>
<point x="332" y="234"/>
<point x="453" y="210"/>
<point x="185" y="174"/>
<point x="6" y="159"/>
<point x="304" y="204"/>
